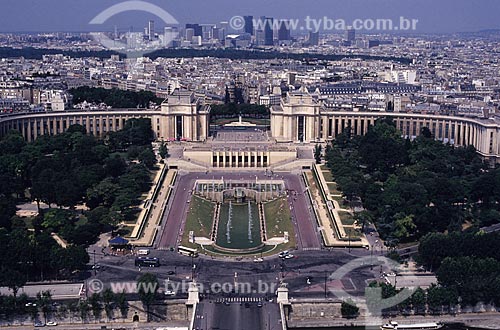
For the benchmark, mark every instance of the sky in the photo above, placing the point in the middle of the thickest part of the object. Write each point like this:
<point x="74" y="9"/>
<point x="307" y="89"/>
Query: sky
<point x="435" y="16"/>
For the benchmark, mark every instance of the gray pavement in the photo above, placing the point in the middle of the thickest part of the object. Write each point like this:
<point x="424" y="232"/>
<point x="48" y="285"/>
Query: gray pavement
<point x="237" y="315"/>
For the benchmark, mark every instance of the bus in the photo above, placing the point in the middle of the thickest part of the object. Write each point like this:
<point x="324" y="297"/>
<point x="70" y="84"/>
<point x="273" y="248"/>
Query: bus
<point x="143" y="252"/>
<point x="147" y="262"/>
<point x="187" y="251"/>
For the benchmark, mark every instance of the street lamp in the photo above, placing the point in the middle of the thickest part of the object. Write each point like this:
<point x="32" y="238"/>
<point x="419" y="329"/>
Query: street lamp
<point x="192" y="267"/>
<point x="349" y="238"/>
<point x="326" y="292"/>
<point x="371" y="257"/>
<point x="94" y="267"/>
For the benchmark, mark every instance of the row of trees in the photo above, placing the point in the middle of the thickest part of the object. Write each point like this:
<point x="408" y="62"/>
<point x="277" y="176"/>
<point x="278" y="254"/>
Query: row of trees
<point x="410" y="188"/>
<point x="37" y="53"/>
<point x="466" y="263"/>
<point x="115" y="98"/>
<point x="435" y="300"/>
<point x="232" y="110"/>
<point x="68" y="170"/>
<point x="108" y="303"/>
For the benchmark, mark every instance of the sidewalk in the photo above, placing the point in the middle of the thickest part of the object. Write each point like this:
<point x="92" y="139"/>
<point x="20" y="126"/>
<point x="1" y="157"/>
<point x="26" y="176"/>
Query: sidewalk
<point x="150" y="223"/>
<point x="332" y="228"/>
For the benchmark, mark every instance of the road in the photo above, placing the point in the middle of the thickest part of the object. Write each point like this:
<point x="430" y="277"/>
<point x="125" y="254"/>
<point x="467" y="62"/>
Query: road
<point x="237" y="315"/>
<point x="114" y="325"/>
<point x="263" y="278"/>
<point x="306" y="228"/>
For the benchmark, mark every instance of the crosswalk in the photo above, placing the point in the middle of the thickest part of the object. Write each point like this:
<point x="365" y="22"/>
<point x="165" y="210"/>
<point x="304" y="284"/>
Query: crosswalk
<point x="311" y="249"/>
<point x="239" y="299"/>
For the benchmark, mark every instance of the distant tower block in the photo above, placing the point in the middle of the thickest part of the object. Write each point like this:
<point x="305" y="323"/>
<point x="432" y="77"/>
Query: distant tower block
<point x="151" y="30"/>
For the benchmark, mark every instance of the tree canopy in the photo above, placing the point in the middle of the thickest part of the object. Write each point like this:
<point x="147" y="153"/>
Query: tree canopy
<point x="414" y="187"/>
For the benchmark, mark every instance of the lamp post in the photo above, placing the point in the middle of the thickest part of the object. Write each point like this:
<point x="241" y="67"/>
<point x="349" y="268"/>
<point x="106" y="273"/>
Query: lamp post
<point x="95" y="270"/>
<point x="371" y="257"/>
<point x="326" y="292"/>
<point x="192" y="267"/>
<point x="349" y="238"/>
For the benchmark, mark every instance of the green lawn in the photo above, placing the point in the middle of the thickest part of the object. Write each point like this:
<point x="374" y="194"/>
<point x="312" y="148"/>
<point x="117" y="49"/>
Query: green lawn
<point x="339" y="199"/>
<point x="200" y="217"/>
<point x="328" y="176"/>
<point x="332" y="187"/>
<point x="347" y="219"/>
<point x="278" y="218"/>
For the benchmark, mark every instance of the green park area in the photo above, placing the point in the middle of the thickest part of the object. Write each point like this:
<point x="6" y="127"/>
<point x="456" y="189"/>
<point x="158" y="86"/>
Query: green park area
<point x="199" y="219"/>
<point x="346" y="218"/>
<point x="278" y="220"/>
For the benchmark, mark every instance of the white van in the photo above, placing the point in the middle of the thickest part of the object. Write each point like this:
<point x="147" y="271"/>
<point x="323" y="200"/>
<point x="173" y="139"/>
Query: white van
<point x="143" y="252"/>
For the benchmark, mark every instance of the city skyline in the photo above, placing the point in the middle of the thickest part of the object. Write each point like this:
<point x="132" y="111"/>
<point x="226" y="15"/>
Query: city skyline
<point x="57" y="16"/>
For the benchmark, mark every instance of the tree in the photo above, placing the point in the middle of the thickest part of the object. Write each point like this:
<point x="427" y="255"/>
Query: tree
<point x="363" y="218"/>
<point x="108" y="297"/>
<point x="122" y="303"/>
<point x="12" y="279"/>
<point x="44" y="301"/>
<point x="163" y="151"/>
<point x="317" y="153"/>
<point x="227" y="97"/>
<point x="418" y="300"/>
<point x="148" y="158"/>
<point x="95" y="305"/>
<point x="404" y="227"/>
<point x="147" y="288"/>
<point x="83" y="308"/>
<point x="349" y="309"/>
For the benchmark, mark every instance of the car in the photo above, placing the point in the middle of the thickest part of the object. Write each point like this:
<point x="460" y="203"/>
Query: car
<point x="52" y="323"/>
<point x="259" y="304"/>
<point x="226" y="303"/>
<point x="169" y="293"/>
<point x="170" y="272"/>
<point x="39" y="324"/>
<point x="289" y="256"/>
<point x="258" y="260"/>
<point x="283" y="254"/>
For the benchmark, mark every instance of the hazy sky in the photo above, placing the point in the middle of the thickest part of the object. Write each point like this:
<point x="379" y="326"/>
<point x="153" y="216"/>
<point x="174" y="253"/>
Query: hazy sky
<point x="74" y="15"/>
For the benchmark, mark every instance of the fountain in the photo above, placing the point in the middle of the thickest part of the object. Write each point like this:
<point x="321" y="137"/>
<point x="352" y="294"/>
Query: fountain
<point x="250" y="224"/>
<point x="229" y="222"/>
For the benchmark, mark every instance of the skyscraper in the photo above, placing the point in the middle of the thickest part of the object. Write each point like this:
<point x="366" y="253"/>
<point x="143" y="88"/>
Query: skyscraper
<point x="350" y="35"/>
<point x="268" y="31"/>
<point x="313" y="39"/>
<point x="215" y="33"/>
<point x="189" y="34"/>
<point x="284" y="30"/>
<point x="249" y="24"/>
<point x="198" y="30"/>
<point x="151" y="30"/>
<point x="169" y="35"/>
